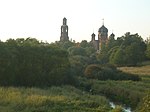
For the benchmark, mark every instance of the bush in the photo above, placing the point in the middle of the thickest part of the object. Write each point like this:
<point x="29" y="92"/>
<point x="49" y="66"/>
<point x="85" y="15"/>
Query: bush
<point x="107" y="72"/>
<point x="145" y="104"/>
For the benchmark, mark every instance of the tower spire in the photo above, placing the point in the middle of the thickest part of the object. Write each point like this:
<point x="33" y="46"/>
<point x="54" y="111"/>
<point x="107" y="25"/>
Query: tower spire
<point x="103" y="21"/>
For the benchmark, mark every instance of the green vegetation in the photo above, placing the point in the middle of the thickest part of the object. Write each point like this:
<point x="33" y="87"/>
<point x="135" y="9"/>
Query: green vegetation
<point x="108" y="72"/>
<point x="121" y="52"/>
<point x="145" y="104"/>
<point x="30" y="63"/>
<point x="129" y="93"/>
<point x="118" y="109"/>
<point x="54" y="99"/>
<point x="143" y="70"/>
<point x="69" y="76"/>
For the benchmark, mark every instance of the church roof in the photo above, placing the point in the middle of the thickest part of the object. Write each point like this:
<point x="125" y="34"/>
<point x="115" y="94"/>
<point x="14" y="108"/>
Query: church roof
<point x="93" y="34"/>
<point x="112" y="35"/>
<point x="103" y="29"/>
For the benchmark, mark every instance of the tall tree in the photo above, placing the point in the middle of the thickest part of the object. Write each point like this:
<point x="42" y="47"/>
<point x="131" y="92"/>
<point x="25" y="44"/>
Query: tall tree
<point x="132" y="50"/>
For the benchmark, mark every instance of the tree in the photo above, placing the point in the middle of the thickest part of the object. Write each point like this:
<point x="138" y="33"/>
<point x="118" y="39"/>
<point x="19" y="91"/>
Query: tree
<point x="131" y="51"/>
<point x="78" y="63"/>
<point x="134" y="54"/>
<point x="118" y="58"/>
<point x="111" y="54"/>
<point x="77" y="51"/>
<point x="84" y="44"/>
<point x="26" y="62"/>
<point x="148" y="51"/>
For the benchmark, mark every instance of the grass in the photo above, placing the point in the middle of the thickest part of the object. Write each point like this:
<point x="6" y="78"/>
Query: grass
<point x="143" y="70"/>
<point x="54" y="99"/>
<point x="125" y="92"/>
<point x="71" y="99"/>
<point x="129" y="92"/>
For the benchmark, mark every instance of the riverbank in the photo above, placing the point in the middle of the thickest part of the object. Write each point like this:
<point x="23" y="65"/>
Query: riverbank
<point x="125" y="109"/>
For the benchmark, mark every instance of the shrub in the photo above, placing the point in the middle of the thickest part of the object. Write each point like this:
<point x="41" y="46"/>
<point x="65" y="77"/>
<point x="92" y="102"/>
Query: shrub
<point x="145" y="104"/>
<point x="107" y="72"/>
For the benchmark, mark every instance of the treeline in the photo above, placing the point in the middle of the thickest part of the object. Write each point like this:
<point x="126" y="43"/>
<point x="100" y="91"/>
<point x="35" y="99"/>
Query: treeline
<point x="28" y="62"/>
<point x="85" y="61"/>
<point x="128" y="50"/>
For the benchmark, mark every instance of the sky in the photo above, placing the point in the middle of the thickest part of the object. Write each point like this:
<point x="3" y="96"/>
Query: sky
<point x="42" y="19"/>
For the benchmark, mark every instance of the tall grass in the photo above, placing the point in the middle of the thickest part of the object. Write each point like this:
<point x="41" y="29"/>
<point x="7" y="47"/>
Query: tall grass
<point x="143" y="70"/>
<point x="54" y="99"/>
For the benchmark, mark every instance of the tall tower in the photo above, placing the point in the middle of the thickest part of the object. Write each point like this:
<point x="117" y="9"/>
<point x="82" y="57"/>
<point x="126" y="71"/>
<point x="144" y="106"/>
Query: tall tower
<point x="95" y="42"/>
<point x="93" y="37"/>
<point x="64" y="31"/>
<point x="112" y="36"/>
<point x="102" y="36"/>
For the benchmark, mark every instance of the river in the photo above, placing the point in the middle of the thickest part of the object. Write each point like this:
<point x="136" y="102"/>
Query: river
<point x="126" y="109"/>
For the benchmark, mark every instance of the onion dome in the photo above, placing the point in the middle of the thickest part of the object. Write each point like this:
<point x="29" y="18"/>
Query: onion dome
<point x="103" y="29"/>
<point x="112" y="35"/>
<point x="93" y="35"/>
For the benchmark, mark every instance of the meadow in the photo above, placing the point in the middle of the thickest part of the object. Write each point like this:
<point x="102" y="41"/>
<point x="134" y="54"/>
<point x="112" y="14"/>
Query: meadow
<point x="53" y="99"/>
<point x="142" y="70"/>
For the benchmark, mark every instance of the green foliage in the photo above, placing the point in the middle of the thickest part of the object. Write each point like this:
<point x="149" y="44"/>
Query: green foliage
<point x="121" y="52"/>
<point x="80" y="57"/>
<point x="78" y="63"/>
<point x="117" y="109"/>
<point x="128" y="93"/>
<point x="77" y="51"/>
<point x="103" y="57"/>
<point x="54" y="99"/>
<point x="148" y="51"/>
<point x="84" y="44"/>
<point x="29" y="63"/>
<point x="145" y="104"/>
<point x="66" y="45"/>
<point x="132" y="56"/>
<point x="105" y="72"/>
<point x="117" y="57"/>
<point x="131" y="51"/>
<point x="91" y="71"/>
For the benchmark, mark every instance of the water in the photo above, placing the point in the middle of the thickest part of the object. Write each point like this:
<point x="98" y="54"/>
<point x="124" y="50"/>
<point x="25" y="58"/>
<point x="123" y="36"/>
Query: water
<point x="126" y="109"/>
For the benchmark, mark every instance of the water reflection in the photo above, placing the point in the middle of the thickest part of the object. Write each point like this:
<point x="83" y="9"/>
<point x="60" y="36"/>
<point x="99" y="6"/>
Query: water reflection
<point x="126" y="109"/>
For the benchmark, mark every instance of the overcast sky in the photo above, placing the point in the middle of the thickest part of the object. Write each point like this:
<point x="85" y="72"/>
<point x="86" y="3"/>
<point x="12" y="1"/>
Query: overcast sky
<point x="42" y="19"/>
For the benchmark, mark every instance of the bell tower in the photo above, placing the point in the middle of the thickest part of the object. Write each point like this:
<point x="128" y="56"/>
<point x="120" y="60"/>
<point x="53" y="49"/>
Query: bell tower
<point x="102" y="35"/>
<point x="64" y="31"/>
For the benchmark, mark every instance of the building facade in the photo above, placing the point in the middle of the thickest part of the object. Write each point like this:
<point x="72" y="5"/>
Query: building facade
<point x="102" y="38"/>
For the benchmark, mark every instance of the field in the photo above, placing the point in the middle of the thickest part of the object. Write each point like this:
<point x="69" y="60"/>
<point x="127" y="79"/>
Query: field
<point x="143" y="70"/>
<point x="54" y="99"/>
